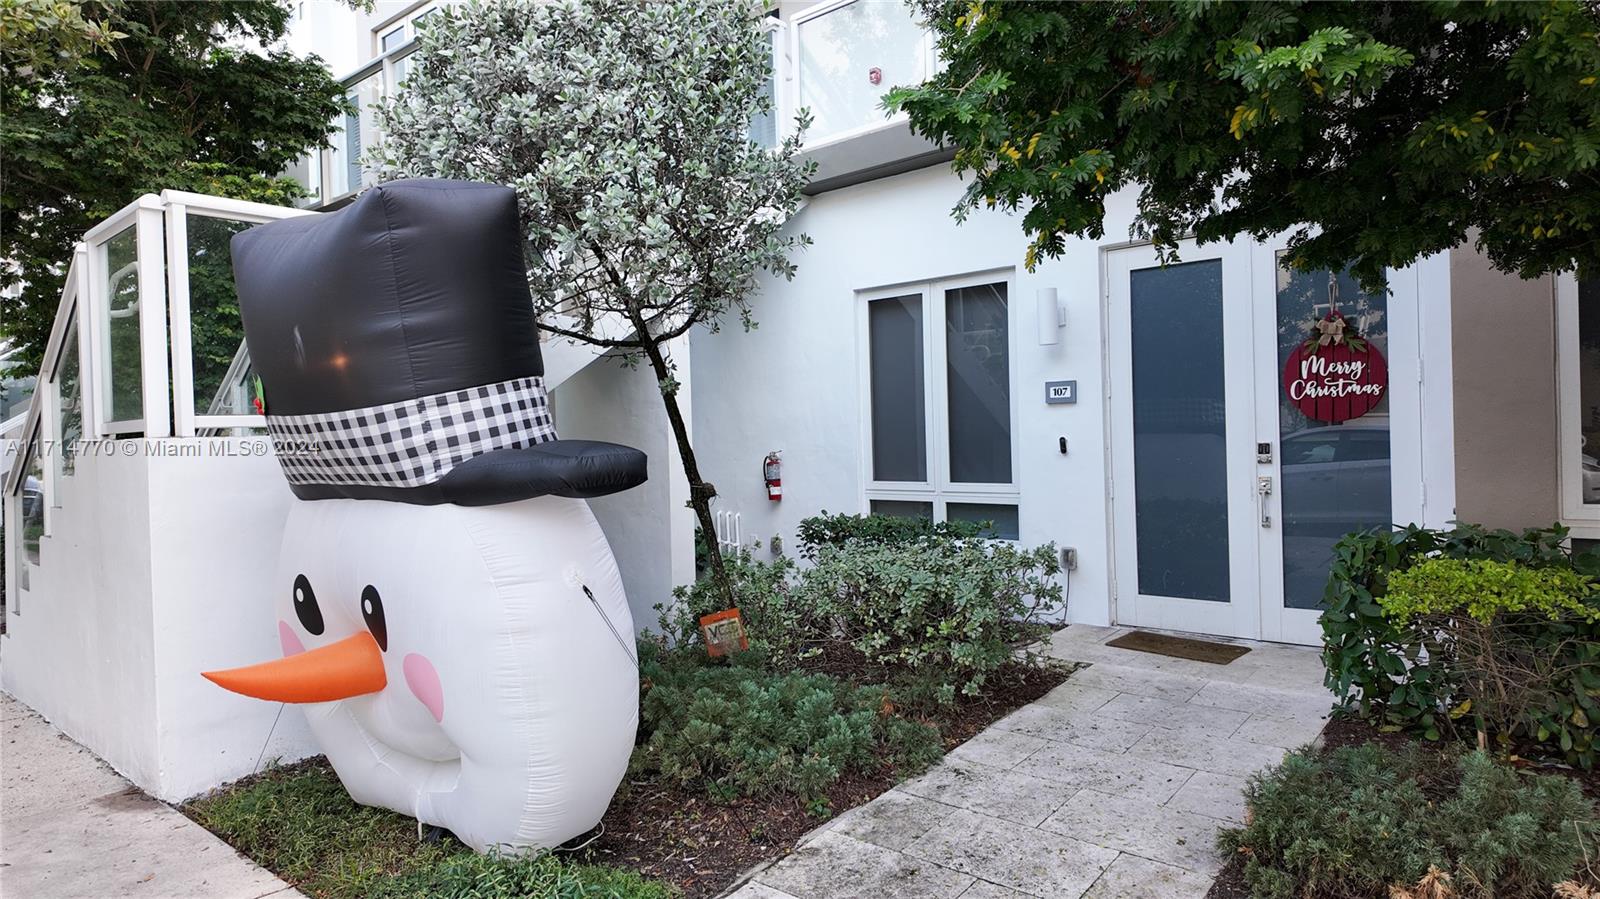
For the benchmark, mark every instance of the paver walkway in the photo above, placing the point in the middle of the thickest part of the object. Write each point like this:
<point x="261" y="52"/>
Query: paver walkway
<point x="71" y="827"/>
<point x="1112" y="786"/>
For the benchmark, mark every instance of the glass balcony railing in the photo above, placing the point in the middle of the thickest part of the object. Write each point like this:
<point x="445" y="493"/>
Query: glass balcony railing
<point x="846" y="56"/>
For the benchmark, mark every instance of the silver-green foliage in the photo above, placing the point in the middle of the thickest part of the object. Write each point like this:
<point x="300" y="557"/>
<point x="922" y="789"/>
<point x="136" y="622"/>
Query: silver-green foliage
<point x="945" y="610"/>
<point x="624" y="126"/>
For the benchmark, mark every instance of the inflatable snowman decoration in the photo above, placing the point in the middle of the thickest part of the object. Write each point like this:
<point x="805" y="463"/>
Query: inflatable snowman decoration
<point x="450" y="612"/>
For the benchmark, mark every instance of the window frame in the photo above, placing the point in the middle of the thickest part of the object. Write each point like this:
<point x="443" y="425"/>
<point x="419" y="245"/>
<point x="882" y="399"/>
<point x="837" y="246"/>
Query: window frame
<point x="1583" y="519"/>
<point x="938" y="489"/>
<point x="188" y="419"/>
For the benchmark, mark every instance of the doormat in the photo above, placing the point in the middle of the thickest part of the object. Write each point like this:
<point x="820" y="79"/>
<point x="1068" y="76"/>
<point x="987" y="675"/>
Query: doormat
<point x="1179" y="647"/>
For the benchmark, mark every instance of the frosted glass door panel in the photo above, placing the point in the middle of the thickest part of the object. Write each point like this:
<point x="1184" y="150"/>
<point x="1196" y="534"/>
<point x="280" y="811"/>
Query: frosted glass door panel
<point x="1179" y="445"/>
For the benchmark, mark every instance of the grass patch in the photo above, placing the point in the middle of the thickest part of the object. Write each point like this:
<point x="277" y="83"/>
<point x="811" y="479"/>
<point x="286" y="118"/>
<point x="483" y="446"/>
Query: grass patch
<point x="298" y="822"/>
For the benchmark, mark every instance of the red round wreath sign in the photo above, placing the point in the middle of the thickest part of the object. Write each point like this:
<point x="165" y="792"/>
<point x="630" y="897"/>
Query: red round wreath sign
<point x="1336" y="374"/>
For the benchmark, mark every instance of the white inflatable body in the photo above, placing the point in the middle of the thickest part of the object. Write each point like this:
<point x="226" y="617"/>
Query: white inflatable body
<point x="511" y="696"/>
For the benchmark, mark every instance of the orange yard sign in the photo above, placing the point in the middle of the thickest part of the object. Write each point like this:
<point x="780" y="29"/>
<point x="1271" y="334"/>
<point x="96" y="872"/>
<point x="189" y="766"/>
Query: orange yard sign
<point x="723" y="632"/>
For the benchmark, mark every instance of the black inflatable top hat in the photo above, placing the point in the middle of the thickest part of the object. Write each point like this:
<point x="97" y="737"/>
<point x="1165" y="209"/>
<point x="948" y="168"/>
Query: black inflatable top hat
<point x="398" y="355"/>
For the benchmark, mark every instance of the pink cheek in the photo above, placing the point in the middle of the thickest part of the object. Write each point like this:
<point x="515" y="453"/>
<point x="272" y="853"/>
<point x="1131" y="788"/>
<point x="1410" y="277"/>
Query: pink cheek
<point x="291" y="641"/>
<point x="424" y="683"/>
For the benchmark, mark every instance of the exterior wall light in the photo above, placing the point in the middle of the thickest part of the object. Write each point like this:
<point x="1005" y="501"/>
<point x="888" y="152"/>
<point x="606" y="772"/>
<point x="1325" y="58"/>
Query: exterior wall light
<point x="1052" y="317"/>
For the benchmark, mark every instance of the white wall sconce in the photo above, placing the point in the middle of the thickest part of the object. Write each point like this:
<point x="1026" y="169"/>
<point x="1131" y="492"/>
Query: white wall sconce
<point x="1052" y="317"/>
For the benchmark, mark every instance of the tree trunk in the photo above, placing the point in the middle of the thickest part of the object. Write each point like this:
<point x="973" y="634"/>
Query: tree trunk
<point x="700" y="493"/>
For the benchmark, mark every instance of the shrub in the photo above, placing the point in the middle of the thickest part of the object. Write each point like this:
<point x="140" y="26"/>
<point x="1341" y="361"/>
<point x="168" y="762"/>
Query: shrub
<point x="942" y="607"/>
<point x="938" y="607"/>
<point x="1353" y="822"/>
<point x="1413" y="661"/>
<point x="740" y="730"/>
<point x="1518" y="641"/>
<point x="1485" y="590"/>
<point x="825" y="530"/>
<point x="781" y="626"/>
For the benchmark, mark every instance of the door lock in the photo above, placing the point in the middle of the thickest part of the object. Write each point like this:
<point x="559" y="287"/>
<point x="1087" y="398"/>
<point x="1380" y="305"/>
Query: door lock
<point x="1264" y="490"/>
<point x="1264" y="453"/>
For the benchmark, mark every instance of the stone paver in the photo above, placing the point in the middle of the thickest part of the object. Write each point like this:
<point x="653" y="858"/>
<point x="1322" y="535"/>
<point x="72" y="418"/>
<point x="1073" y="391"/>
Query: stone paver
<point x="1219" y="796"/>
<point x="1108" y="772"/>
<point x="1112" y="786"/>
<point x="834" y="866"/>
<point x="893" y="820"/>
<point x="1141" y="828"/>
<point x="1032" y="861"/>
<point x="71" y="827"/>
<point x="1132" y="877"/>
<point x="983" y="889"/>
<point x="996" y="792"/>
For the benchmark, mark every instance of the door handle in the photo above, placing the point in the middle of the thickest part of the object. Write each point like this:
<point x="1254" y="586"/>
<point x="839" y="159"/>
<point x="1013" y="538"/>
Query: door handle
<point x="1264" y="490"/>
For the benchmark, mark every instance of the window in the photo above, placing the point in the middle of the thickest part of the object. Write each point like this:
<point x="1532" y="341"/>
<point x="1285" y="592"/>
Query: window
<point x="899" y="430"/>
<point x="938" y="402"/>
<point x="1578" y="386"/>
<point x="764" y="125"/>
<point x="393" y="40"/>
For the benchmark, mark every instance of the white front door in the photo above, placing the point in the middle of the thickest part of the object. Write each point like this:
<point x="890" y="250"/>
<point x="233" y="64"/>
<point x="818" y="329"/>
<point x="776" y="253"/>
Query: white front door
<point x="1183" y="386"/>
<point x="1226" y="501"/>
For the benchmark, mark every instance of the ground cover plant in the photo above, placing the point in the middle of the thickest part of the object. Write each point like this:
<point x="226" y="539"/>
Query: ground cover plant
<point x="1488" y="636"/>
<point x="1397" y="819"/>
<point x="298" y="822"/>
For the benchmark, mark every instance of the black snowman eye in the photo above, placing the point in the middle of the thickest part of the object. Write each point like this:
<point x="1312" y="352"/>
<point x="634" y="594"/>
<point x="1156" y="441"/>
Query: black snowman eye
<point x="305" y="606"/>
<point x="372" y="611"/>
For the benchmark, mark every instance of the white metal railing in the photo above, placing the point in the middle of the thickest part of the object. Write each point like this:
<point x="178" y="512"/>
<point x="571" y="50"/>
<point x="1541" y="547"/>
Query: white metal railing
<point x="131" y="291"/>
<point x="133" y="287"/>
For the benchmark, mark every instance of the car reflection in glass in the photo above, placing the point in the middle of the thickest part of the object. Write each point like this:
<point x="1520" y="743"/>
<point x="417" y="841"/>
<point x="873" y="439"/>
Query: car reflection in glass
<point x="1591" y="479"/>
<point x="1335" y="481"/>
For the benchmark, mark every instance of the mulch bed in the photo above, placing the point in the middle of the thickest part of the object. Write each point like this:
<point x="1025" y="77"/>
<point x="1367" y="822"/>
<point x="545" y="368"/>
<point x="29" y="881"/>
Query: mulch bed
<point x="1341" y="732"/>
<point x="682" y="837"/>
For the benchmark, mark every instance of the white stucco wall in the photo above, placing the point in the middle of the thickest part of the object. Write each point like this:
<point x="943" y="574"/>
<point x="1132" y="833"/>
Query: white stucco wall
<point x="79" y="647"/>
<point x="215" y="526"/>
<point x="650" y="530"/>
<point x="156" y="568"/>
<point x="794" y="384"/>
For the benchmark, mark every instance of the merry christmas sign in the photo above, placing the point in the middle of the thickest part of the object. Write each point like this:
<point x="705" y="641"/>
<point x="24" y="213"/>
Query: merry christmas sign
<point x="1336" y="374"/>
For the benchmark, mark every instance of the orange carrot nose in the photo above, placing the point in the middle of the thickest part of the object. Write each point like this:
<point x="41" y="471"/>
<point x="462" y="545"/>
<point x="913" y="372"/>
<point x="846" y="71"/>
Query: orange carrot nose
<point x="351" y="667"/>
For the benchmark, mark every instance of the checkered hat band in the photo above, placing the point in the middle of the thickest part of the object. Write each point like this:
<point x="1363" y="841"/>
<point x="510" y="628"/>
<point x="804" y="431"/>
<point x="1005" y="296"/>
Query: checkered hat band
<point x="413" y="442"/>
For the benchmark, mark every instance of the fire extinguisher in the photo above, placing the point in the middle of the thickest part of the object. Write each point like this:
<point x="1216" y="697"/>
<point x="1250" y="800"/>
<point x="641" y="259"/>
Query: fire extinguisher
<point x="770" y="472"/>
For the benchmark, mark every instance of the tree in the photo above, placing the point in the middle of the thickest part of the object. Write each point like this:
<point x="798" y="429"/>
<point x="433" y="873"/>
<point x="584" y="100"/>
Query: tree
<point x="103" y="101"/>
<point x="623" y="125"/>
<point x="1373" y="133"/>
